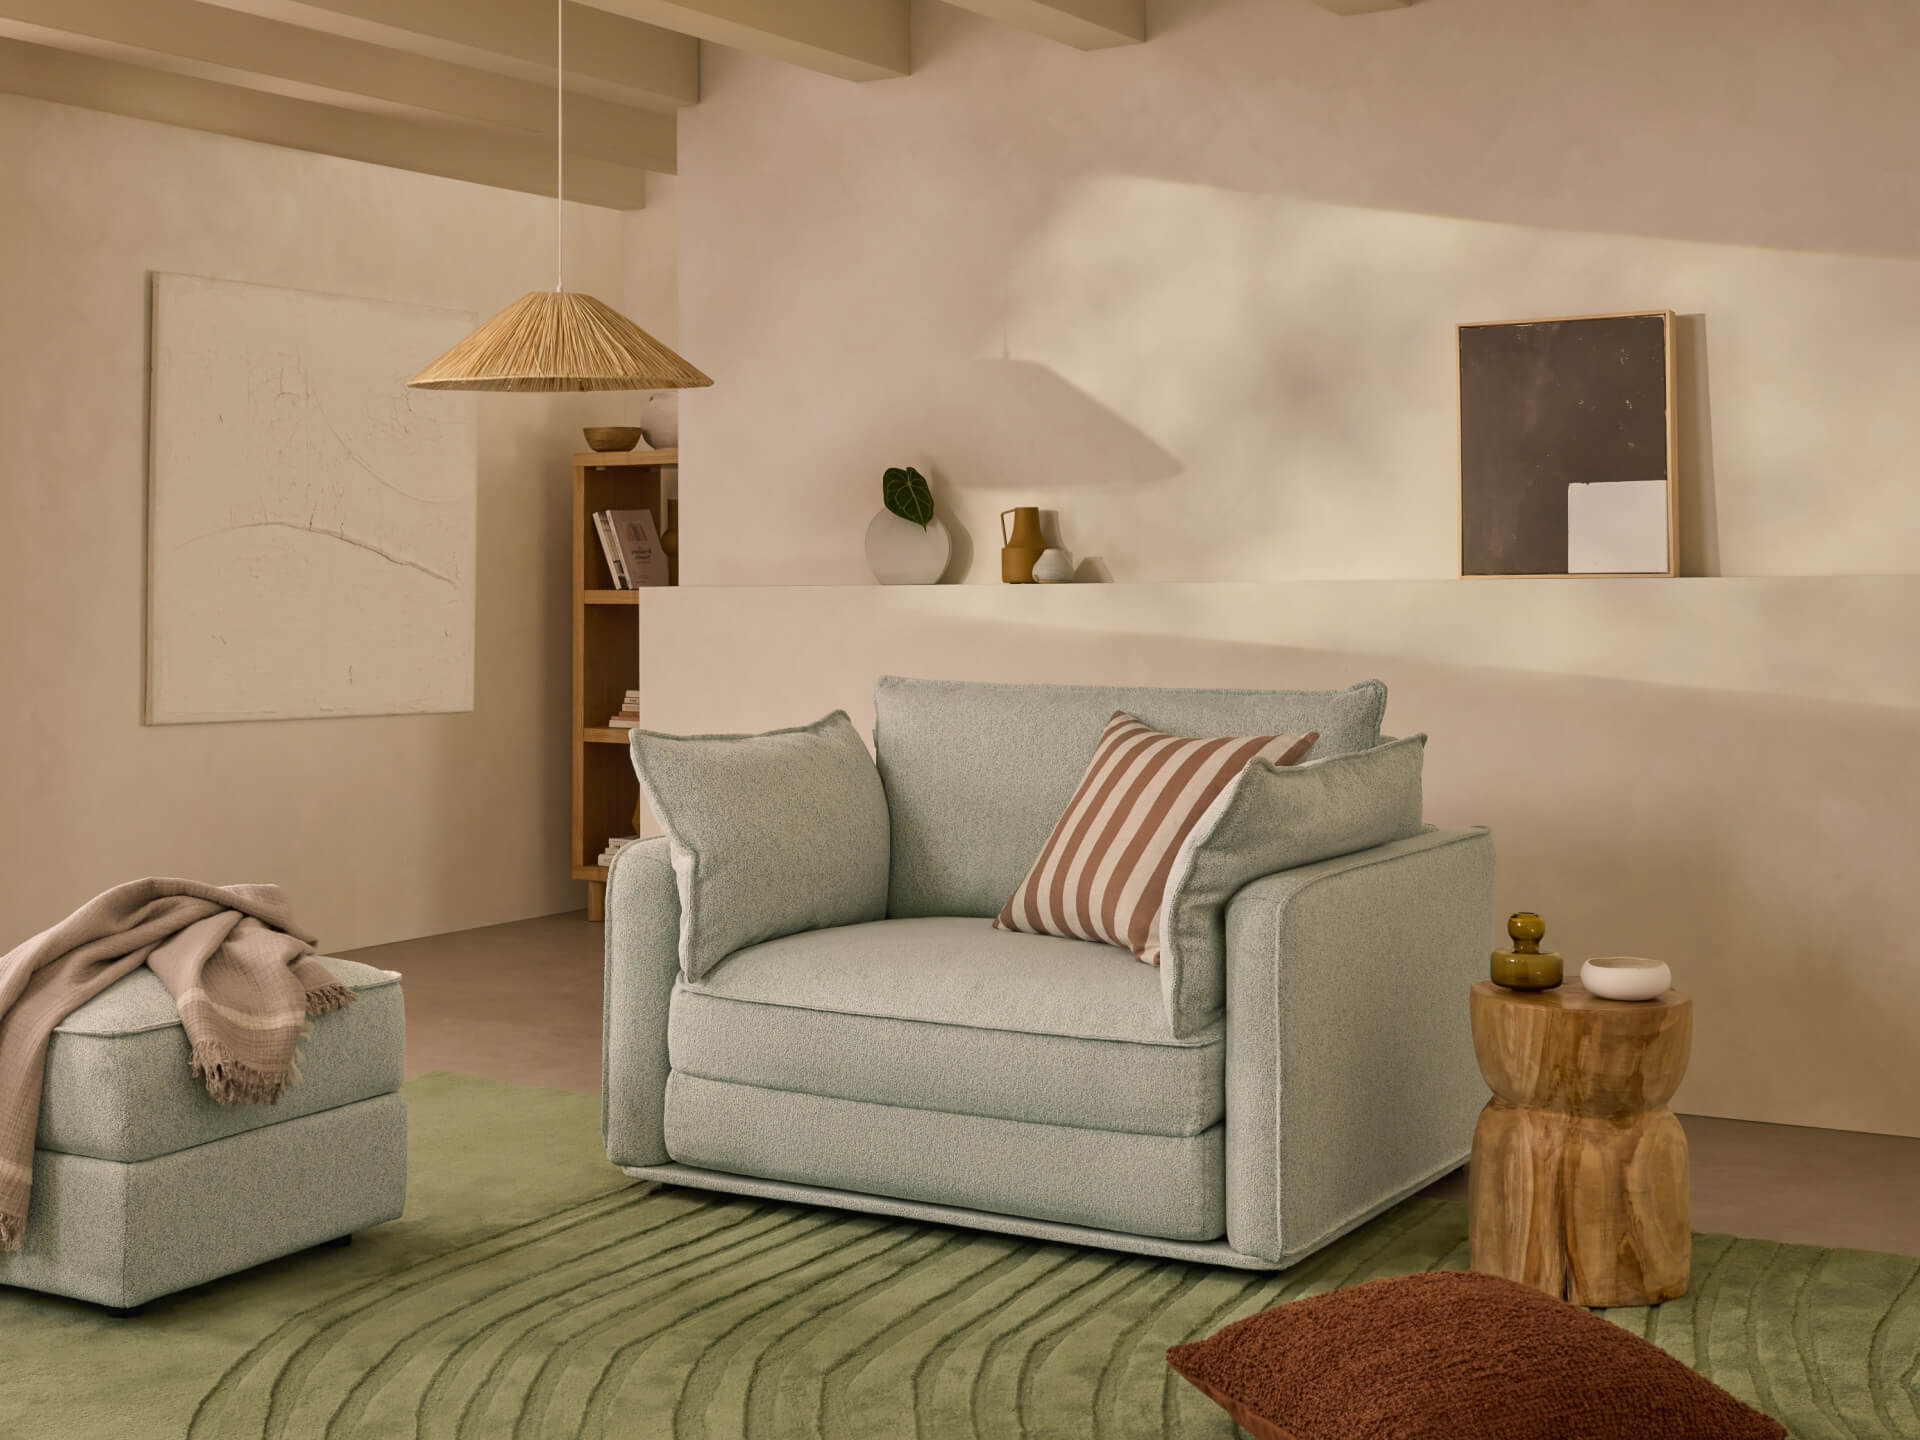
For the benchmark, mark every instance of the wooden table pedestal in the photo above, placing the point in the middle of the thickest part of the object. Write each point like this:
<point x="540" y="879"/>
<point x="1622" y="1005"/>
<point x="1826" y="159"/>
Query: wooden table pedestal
<point x="1578" y="1184"/>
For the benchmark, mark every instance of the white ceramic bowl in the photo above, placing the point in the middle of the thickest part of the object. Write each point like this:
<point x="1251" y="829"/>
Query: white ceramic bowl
<point x="1626" y="977"/>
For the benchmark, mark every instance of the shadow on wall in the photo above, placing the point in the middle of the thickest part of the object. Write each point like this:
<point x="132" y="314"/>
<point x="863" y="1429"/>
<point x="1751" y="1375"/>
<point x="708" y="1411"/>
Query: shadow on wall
<point x="1693" y="400"/>
<point x="1007" y="430"/>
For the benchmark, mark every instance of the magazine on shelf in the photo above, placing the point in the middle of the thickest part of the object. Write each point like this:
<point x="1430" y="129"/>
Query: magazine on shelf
<point x="638" y="540"/>
<point x="610" y="547"/>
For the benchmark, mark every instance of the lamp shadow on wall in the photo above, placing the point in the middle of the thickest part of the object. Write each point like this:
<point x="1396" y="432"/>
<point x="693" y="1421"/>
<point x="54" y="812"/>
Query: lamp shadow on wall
<point x="1025" y="422"/>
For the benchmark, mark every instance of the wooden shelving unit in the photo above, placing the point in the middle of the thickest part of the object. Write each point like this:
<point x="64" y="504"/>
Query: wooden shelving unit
<point x="606" y="655"/>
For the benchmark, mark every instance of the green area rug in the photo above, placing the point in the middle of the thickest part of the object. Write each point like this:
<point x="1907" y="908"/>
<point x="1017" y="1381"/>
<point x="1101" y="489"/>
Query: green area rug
<point x="532" y="1292"/>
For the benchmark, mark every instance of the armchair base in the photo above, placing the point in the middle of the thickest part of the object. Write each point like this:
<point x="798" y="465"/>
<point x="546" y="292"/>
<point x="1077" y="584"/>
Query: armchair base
<point x="1213" y="1252"/>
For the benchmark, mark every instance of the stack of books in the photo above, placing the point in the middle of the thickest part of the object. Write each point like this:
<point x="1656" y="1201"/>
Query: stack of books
<point x="615" y="846"/>
<point x="631" y="542"/>
<point x="629" y="715"/>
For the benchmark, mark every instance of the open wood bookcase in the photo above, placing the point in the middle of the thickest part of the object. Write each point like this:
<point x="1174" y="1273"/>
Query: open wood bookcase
<point x="606" y="654"/>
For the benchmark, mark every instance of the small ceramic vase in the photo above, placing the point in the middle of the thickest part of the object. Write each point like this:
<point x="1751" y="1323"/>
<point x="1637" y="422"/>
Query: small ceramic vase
<point x="900" y="552"/>
<point x="1054" y="567"/>
<point x="1626" y="977"/>
<point x="1526" y="966"/>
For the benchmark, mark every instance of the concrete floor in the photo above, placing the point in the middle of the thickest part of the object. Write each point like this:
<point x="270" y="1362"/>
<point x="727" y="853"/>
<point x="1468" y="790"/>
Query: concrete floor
<point x="521" y="1002"/>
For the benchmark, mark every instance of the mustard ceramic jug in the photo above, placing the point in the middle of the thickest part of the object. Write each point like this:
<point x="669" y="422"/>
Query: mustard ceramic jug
<point x="1022" y="545"/>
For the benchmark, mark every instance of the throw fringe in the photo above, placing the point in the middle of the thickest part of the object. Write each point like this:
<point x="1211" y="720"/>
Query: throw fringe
<point x="13" y="1231"/>
<point x="329" y="997"/>
<point x="230" y="1082"/>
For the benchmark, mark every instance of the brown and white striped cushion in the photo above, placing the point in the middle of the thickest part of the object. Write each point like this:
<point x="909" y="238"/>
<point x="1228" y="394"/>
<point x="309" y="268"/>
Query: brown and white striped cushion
<point x="1103" y="872"/>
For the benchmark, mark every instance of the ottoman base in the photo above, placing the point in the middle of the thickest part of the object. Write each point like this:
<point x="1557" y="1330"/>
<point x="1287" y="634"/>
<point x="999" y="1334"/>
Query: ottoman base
<point x="121" y="1234"/>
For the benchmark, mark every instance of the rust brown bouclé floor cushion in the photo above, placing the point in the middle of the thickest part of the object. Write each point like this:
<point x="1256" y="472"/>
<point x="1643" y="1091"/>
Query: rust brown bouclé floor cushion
<point x="1451" y="1355"/>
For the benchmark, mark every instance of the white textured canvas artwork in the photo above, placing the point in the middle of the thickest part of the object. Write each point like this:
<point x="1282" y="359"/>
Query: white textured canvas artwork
<point x="311" y="520"/>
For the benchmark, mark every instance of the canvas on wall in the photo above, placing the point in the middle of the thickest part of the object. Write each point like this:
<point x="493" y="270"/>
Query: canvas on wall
<point x="311" y="521"/>
<point x="1567" y="447"/>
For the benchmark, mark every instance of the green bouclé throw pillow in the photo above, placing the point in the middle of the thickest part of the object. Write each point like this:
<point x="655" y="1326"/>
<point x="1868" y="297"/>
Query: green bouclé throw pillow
<point x="1273" y="818"/>
<point x="769" y="834"/>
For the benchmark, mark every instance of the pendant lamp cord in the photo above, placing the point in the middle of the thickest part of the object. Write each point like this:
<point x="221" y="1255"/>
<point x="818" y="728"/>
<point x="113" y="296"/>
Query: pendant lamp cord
<point x="559" y="145"/>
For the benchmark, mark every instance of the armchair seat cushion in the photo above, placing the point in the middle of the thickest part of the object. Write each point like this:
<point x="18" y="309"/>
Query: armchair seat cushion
<point x="948" y="1014"/>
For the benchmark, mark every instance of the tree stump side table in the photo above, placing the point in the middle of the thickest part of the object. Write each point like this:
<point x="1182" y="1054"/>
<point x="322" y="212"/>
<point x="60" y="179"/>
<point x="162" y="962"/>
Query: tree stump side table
<point x="1578" y="1184"/>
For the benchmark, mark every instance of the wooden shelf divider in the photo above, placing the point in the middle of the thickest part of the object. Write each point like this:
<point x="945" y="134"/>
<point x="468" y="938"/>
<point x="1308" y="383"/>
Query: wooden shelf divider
<point x="606" y="656"/>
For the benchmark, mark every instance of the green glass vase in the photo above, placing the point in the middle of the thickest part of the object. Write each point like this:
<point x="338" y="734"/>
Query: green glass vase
<point x="1527" y="966"/>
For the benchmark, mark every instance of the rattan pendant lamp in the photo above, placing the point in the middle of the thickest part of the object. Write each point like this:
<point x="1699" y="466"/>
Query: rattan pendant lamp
<point x="559" y="339"/>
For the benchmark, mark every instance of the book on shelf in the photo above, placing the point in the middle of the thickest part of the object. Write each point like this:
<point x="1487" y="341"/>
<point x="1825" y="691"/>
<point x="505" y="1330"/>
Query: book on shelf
<point x="638" y="539"/>
<point x="610" y="547"/>
<point x="622" y="721"/>
<point x="615" y="846"/>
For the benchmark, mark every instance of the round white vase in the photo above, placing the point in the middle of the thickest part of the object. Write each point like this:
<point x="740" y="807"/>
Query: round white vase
<point x="1054" y="567"/>
<point x="1626" y="977"/>
<point x="900" y="552"/>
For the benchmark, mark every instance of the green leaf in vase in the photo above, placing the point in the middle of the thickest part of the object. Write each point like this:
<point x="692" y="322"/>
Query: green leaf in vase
<point x="907" y="495"/>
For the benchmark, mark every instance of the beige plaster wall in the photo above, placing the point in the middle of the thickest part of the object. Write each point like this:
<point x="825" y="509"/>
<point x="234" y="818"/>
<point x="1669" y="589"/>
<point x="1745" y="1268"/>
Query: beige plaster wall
<point x="1198" y="297"/>
<point x="380" y="828"/>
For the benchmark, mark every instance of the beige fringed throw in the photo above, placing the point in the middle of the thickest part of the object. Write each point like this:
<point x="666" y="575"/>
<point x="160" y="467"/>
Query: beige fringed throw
<point x="240" y="970"/>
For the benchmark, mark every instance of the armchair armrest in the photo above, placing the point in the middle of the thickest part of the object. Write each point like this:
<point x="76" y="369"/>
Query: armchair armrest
<point x="1351" y="1080"/>
<point x="642" y="962"/>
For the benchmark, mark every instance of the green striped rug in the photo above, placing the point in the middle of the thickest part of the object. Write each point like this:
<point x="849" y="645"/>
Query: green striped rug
<point x="530" y="1294"/>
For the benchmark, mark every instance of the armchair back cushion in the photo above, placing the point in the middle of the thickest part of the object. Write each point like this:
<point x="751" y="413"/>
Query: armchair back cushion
<point x="768" y="834"/>
<point x="1269" y="819"/>
<point x="976" y="774"/>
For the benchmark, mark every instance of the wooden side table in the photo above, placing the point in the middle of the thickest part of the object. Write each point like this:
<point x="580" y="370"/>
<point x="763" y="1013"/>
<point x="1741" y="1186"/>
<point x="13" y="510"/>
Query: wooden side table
<point x="1578" y="1184"/>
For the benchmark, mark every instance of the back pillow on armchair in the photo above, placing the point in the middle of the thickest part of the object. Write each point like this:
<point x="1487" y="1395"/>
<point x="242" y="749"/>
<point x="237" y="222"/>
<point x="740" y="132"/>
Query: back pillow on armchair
<point x="1268" y="820"/>
<point x="769" y="834"/>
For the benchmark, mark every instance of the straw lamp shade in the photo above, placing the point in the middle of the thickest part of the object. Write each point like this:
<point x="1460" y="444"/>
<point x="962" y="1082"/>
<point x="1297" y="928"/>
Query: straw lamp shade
<point x="559" y="340"/>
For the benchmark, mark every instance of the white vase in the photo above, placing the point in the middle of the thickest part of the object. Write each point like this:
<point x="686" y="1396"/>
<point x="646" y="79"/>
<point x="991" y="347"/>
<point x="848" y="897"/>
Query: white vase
<point x="1054" y="567"/>
<point x="900" y="552"/>
<point x="1626" y="977"/>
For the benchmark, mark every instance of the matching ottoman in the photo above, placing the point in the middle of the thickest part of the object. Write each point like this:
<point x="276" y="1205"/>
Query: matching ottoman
<point x="142" y="1185"/>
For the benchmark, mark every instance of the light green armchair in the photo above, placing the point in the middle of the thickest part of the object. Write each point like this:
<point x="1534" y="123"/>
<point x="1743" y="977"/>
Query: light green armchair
<point x="928" y="1065"/>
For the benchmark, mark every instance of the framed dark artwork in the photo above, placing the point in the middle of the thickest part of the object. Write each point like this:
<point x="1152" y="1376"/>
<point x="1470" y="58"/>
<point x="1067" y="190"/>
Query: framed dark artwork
<point x="1567" y="443"/>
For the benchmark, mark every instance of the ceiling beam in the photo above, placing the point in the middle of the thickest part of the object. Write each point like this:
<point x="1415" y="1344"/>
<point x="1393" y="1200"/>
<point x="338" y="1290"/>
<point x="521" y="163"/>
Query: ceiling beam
<point x="1361" y="7"/>
<point x="511" y="162"/>
<point x="854" y="39"/>
<point x="609" y="56"/>
<point x="210" y="43"/>
<point x="1083" y="24"/>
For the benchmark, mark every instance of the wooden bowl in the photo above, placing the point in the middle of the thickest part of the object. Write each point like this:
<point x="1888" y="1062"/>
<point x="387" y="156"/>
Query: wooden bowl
<point x="608" y="438"/>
